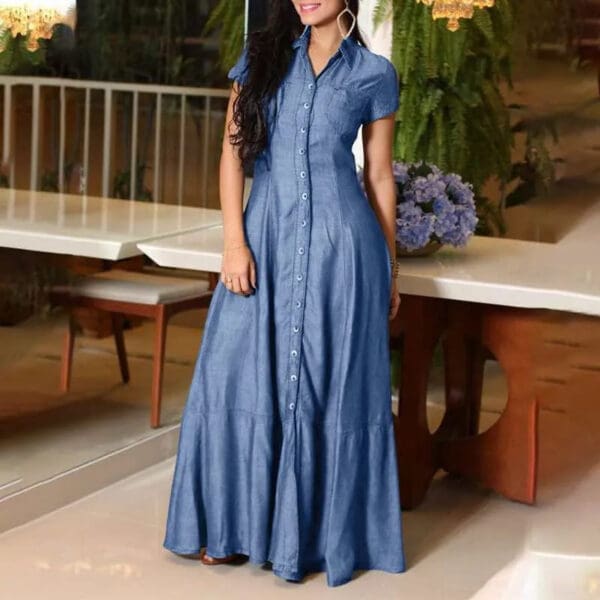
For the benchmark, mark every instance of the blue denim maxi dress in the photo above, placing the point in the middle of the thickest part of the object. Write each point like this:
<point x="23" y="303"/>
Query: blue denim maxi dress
<point x="286" y="450"/>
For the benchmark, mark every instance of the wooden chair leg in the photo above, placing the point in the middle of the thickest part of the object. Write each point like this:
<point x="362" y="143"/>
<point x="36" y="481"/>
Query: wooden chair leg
<point x="67" y="355"/>
<point x="117" y="322"/>
<point x="160" y="337"/>
<point x="504" y="458"/>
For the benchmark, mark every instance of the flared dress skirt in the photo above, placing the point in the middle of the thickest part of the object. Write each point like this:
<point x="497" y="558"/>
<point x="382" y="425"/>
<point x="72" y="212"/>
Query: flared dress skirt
<point x="286" y="450"/>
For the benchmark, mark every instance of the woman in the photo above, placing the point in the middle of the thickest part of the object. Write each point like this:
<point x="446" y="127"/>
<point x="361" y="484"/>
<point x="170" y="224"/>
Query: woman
<point x="286" y="452"/>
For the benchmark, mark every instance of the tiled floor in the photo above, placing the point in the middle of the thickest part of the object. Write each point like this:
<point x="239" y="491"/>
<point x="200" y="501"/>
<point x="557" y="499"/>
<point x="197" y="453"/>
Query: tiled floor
<point x="44" y="432"/>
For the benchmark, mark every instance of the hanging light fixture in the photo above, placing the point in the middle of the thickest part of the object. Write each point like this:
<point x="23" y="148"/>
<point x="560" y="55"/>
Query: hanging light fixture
<point x="35" y="18"/>
<point x="453" y="10"/>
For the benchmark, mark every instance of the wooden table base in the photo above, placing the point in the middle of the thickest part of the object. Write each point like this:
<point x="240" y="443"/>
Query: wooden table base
<point x="503" y="458"/>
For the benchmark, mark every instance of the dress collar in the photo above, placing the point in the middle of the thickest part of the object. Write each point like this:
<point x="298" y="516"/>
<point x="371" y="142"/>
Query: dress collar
<point x="348" y="45"/>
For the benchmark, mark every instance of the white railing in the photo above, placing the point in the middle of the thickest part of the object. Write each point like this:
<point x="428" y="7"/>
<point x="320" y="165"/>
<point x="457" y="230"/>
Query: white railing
<point x="177" y="102"/>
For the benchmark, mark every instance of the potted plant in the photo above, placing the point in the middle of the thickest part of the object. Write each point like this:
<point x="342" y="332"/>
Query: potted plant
<point x="433" y="208"/>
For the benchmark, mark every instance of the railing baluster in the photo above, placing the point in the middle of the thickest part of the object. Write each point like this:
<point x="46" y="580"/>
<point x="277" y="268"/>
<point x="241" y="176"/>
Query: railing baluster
<point x="134" y="143"/>
<point x="205" y="150"/>
<point x="181" y="149"/>
<point x="86" y="142"/>
<point x="157" y="136"/>
<point x="35" y="137"/>
<point x="7" y="143"/>
<point x="62" y="141"/>
<point x="107" y="141"/>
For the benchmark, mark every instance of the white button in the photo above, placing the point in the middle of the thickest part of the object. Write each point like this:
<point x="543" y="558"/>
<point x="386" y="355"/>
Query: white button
<point x="310" y="86"/>
<point x="296" y="329"/>
<point x="299" y="277"/>
<point x="303" y="129"/>
<point x="301" y="150"/>
<point x="300" y="250"/>
<point x="298" y="304"/>
<point x="304" y="196"/>
<point x="292" y="406"/>
<point x="302" y="174"/>
<point x="306" y="105"/>
<point x="293" y="378"/>
<point x="303" y="223"/>
<point x="294" y="352"/>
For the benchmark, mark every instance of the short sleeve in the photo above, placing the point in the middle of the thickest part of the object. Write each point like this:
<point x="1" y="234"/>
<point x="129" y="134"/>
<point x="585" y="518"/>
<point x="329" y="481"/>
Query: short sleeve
<point x="385" y="99"/>
<point x="239" y="71"/>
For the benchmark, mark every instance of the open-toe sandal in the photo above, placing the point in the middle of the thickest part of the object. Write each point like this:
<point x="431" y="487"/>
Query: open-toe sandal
<point x="211" y="560"/>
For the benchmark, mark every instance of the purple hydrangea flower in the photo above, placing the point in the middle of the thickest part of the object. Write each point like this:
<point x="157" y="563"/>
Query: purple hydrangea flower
<point x="444" y="198"/>
<point x="424" y="189"/>
<point x="431" y="205"/>
<point x="400" y="172"/>
<point x="415" y="234"/>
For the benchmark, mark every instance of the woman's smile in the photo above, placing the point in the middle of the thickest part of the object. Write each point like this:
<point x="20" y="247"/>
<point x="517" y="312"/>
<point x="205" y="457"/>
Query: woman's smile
<point x="309" y="7"/>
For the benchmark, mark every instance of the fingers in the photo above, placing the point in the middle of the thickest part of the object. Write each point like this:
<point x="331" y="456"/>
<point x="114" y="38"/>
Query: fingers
<point x="240" y="283"/>
<point x="232" y="283"/>
<point x="244" y="285"/>
<point x="228" y="280"/>
<point x="236" y="284"/>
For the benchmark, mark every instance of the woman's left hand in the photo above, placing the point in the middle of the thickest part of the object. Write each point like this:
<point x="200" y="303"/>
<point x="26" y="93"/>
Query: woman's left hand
<point x="394" y="300"/>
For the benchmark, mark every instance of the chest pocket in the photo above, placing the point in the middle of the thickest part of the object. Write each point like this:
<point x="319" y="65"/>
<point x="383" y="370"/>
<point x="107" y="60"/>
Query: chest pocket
<point x="283" y="106"/>
<point x="341" y="107"/>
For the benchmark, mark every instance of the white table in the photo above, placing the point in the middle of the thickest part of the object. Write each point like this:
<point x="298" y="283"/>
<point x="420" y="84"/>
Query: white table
<point x="197" y="250"/>
<point x="562" y="276"/>
<point x="91" y="226"/>
<point x="508" y="272"/>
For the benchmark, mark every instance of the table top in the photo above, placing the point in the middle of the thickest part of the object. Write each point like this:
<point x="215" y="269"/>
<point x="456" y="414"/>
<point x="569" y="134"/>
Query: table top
<point x="198" y="250"/>
<point x="508" y="273"/>
<point x="561" y="276"/>
<point x="91" y="226"/>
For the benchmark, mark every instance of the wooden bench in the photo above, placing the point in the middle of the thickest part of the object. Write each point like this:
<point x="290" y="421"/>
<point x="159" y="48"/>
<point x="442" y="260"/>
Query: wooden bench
<point x="121" y="292"/>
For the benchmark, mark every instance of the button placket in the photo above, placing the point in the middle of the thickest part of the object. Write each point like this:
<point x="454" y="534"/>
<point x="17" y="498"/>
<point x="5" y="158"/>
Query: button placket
<point x="302" y="240"/>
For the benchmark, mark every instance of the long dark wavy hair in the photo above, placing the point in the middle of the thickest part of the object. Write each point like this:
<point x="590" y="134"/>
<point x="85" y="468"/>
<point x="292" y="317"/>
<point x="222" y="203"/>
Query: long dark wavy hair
<point x="269" y="55"/>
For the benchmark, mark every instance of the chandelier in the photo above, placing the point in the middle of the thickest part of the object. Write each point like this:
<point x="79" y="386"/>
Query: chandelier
<point x="35" y="19"/>
<point x="453" y="10"/>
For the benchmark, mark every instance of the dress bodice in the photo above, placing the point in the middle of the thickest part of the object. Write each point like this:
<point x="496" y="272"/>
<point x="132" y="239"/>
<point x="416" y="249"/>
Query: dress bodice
<point x="355" y="87"/>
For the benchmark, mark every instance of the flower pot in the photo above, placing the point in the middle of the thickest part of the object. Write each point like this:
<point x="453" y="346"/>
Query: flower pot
<point x="427" y="250"/>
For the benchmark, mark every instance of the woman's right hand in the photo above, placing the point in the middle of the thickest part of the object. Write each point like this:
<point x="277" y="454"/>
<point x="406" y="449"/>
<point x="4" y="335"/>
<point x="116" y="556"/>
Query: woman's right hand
<point x="238" y="271"/>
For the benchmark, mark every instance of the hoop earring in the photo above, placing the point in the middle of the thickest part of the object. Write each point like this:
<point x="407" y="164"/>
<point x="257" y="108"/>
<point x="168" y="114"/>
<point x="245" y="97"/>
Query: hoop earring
<point x="347" y="9"/>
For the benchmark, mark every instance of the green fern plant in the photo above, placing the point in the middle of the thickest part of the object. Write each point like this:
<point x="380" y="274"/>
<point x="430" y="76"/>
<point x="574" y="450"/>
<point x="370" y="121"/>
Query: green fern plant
<point x="15" y="57"/>
<point x="451" y="110"/>
<point x="227" y="17"/>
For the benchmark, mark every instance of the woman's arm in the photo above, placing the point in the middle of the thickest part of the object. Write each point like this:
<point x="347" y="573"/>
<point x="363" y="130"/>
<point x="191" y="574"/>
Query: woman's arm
<point x="379" y="175"/>
<point x="380" y="184"/>
<point x="231" y="182"/>
<point x="237" y="260"/>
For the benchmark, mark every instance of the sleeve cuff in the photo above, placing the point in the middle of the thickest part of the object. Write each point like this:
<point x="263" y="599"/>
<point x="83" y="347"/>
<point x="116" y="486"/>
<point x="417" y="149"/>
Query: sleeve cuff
<point x="385" y="99"/>
<point x="239" y="71"/>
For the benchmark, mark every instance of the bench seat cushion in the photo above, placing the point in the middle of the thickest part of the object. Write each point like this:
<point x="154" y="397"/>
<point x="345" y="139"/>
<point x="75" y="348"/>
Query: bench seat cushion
<point x="137" y="287"/>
